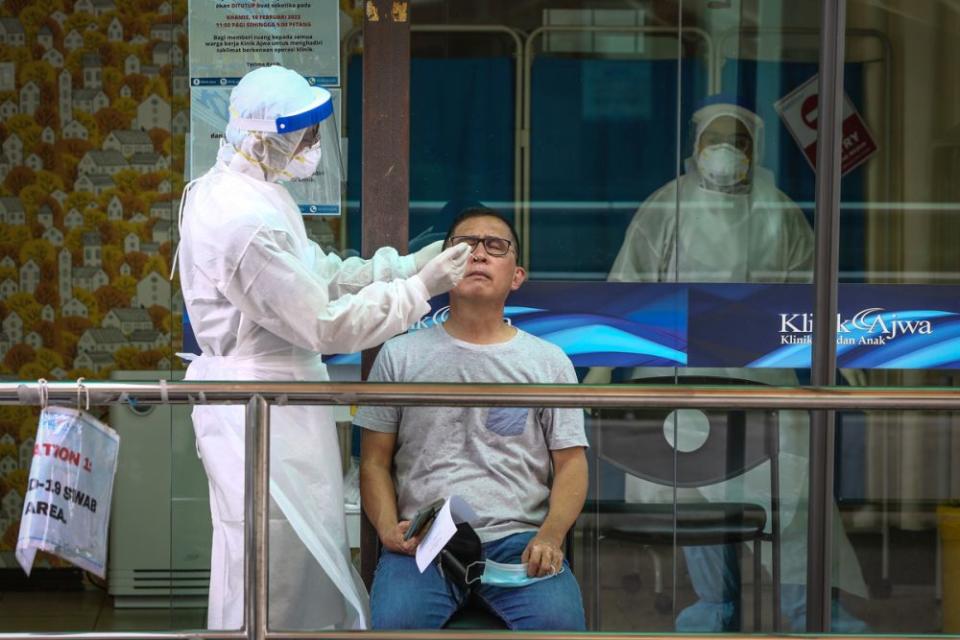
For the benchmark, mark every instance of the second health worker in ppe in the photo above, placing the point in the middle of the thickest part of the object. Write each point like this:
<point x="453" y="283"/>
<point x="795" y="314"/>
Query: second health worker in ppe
<point x="264" y="303"/>
<point x="724" y="220"/>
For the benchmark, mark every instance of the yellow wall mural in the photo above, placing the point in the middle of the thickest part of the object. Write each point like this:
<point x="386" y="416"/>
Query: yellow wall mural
<point x="93" y="119"/>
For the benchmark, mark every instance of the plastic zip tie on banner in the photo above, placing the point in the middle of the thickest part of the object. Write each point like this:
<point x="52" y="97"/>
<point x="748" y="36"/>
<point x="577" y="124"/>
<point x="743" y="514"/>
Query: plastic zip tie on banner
<point x="81" y="388"/>
<point x="43" y="392"/>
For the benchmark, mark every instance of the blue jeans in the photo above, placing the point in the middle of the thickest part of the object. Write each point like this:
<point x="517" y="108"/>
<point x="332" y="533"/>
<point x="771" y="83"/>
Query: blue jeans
<point x="404" y="598"/>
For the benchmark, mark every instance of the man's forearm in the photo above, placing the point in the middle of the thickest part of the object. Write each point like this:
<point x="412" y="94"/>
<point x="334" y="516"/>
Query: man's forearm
<point x="567" y="496"/>
<point x="378" y="497"/>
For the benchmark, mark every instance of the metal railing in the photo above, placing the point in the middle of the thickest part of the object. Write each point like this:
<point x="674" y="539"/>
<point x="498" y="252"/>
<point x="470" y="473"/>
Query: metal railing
<point x="260" y="396"/>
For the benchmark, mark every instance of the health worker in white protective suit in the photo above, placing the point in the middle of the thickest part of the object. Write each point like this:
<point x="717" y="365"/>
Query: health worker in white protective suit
<point x="724" y="220"/>
<point x="264" y="303"/>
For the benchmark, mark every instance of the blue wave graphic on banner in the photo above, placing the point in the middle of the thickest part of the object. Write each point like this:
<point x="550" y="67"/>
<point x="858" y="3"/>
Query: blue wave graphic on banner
<point x="598" y="340"/>
<point x="938" y="349"/>
<point x="731" y="325"/>
<point x="891" y="341"/>
<point x="517" y="311"/>
<point x="623" y="330"/>
<point x="343" y="359"/>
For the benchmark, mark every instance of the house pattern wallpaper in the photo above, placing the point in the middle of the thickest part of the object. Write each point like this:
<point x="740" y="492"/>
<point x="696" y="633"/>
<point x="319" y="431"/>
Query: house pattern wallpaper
<point x="93" y="120"/>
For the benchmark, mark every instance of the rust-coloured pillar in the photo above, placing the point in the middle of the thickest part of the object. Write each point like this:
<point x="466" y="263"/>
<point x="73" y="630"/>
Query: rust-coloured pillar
<point x="385" y="163"/>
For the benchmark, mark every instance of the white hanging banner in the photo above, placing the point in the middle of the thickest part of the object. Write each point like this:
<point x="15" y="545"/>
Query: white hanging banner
<point x="67" y="507"/>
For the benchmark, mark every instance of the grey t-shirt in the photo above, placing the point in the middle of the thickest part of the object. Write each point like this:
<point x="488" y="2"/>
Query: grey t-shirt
<point x="497" y="458"/>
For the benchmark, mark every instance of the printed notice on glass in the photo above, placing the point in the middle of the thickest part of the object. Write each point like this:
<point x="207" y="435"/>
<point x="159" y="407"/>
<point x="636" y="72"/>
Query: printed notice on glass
<point x="228" y="38"/>
<point x="318" y="195"/>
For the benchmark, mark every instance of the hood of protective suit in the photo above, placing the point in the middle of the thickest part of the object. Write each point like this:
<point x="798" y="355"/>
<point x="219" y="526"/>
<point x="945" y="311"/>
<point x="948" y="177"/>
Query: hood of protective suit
<point x="702" y="119"/>
<point x="264" y="95"/>
<point x="687" y="232"/>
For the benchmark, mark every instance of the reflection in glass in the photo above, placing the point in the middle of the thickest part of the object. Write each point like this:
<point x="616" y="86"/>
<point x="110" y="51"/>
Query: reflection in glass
<point x="723" y="219"/>
<point x="726" y="218"/>
<point x="895" y="470"/>
<point x="605" y="144"/>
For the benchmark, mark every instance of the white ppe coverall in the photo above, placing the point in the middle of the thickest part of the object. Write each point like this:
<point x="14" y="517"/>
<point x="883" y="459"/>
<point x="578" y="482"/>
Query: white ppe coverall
<point x="264" y="303"/>
<point x="689" y="231"/>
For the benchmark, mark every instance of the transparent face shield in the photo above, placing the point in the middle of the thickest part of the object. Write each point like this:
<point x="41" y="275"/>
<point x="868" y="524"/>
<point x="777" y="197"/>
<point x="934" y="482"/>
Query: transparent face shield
<point x="323" y="139"/>
<point x="315" y="172"/>
<point x="319" y="185"/>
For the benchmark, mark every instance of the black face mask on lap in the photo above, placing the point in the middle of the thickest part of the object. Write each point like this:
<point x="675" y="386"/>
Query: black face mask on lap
<point x="460" y="558"/>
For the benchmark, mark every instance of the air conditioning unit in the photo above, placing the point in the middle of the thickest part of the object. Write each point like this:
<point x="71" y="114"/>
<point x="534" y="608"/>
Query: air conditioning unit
<point x="160" y="527"/>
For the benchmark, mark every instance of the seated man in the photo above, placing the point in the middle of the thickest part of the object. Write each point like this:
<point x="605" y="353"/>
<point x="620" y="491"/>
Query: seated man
<point x="524" y="471"/>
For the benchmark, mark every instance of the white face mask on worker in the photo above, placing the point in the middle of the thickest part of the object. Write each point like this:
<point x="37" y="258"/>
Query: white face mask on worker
<point x="723" y="165"/>
<point x="304" y="164"/>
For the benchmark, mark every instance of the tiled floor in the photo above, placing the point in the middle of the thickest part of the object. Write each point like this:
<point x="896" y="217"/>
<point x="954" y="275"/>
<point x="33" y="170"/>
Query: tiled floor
<point x="626" y="605"/>
<point x="88" y="610"/>
<point x="912" y="605"/>
<point x="627" y="601"/>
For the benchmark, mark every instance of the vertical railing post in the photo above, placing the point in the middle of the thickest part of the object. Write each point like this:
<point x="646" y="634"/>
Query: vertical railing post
<point x="825" y="276"/>
<point x="256" y="505"/>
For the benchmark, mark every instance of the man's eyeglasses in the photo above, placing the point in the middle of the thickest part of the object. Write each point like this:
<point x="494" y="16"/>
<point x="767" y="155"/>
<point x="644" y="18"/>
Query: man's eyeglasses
<point x="493" y="245"/>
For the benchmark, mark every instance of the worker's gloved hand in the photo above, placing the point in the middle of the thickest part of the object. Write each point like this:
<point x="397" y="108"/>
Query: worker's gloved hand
<point x="444" y="272"/>
<point x="427" y="253"/>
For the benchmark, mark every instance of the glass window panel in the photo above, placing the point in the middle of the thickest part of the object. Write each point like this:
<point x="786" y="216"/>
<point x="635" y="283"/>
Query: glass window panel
<point x="609" y="101"/>
<point x="736" y="223"/>
<point x="898" y="218"/>
<point x="897" y="495"/>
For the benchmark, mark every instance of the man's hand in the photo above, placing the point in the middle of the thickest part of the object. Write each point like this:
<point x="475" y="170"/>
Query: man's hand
<point x="544" y="553"/>
<point x="543" y="557"/>
<point x="393" y="539"/>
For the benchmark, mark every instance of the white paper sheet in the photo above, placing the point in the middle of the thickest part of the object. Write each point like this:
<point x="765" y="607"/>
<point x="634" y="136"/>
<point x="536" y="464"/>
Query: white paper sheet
<point x="455" y="510"/>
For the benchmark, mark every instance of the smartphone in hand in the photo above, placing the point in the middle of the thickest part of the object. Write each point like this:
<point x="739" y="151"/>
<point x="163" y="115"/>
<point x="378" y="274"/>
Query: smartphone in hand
<point x="422" y="518"/>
